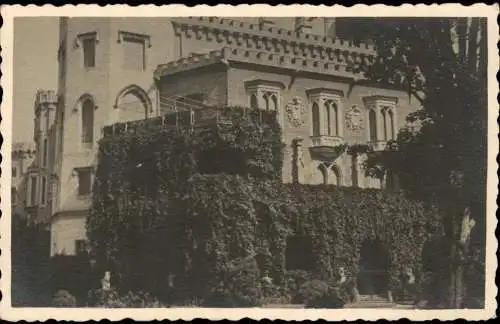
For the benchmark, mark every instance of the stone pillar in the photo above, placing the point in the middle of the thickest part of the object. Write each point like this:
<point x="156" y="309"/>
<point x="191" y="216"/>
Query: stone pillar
<point x="330" y="27"/>
<point x="380" y="124"/>
<point x="298" y="162"/>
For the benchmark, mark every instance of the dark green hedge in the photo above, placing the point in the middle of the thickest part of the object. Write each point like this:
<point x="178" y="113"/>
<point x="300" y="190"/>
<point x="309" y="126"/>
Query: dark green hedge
<point x="221" y="219"/>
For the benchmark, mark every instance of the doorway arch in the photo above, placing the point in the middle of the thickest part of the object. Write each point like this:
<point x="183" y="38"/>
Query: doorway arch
<point x="373" y="277"/>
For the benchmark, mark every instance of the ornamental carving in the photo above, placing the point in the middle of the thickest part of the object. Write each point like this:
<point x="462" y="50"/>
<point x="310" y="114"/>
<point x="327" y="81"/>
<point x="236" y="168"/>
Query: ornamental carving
<point x="354" y="119"/>
<point x="295" y="111"/>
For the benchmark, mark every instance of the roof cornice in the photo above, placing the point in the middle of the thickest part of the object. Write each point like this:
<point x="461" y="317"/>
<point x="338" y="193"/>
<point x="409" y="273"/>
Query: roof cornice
<point x="229" y="55"/>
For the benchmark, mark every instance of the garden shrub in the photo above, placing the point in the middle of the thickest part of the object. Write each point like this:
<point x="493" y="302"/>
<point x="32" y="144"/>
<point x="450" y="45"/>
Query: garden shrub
<point x="113" y="299"/>
<point x="63" y="298"/>
<point x="320" y="294"/>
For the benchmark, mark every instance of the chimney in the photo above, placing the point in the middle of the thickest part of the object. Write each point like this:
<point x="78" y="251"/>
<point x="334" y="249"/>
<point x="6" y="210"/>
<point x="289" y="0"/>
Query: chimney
<point x="330" y="27"/>
<point x="265" y="23"/>
<point x="302" y="25"/>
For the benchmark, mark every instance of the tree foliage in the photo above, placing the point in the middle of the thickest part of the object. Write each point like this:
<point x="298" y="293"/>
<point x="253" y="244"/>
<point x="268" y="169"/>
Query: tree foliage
<point x="441" y="154"/>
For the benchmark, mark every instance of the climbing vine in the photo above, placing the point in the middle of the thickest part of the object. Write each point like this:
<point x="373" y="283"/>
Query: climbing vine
<point x="163" y="201"/>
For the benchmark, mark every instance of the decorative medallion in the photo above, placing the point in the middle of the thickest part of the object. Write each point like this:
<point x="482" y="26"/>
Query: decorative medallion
<point x="354" y="119"/>
<point x="295" y="110"/>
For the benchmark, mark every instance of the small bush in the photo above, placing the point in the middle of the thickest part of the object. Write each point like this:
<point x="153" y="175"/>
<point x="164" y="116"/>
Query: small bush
<point x="320" y="294"/>
<point x="239" y="289"/>
<point x="63" y="298"/>
<point x="112" y="299"/>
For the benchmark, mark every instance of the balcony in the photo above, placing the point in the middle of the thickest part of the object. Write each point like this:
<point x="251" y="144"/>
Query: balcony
<point x="325" y="147"/>
<point x="377" y="146"/>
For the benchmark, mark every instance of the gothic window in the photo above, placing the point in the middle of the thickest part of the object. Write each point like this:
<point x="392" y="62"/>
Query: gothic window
<point x="84" y="181"/>
<point x="134" y="50"/>
<point x="327" y="119"/>
<point x="316" y="120"/>
<point x="33" y="193"/>
<point x="89" y="46"/>
<point x="271" y="101"/>
<point x="373" y="125"/>
<point x="13" y="195"/>
<point x="87" y="122"/>
<point x="335" y="176"/>
<point x="14" y="172"/>
<point x="43" y="193"/>
<point x="45" y="153"/>
<point x="254" y="104"/>
<point x="327" y="112"/>
<point x="388" y="123"/>
<point x="391" y="125"/>
<point x="133" y="103"/>
<point x="381" y="117"/>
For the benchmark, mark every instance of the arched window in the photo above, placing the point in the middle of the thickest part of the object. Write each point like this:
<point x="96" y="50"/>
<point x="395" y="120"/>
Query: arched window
<point x="319" y="175"/>
<point x="391" y="125"/>
<point x="327" y="118"/>
<point x="384" y="120"/>
<point x="133" y="103"/>
<point x="273" y="103"/>
<point x="315" y="120"/>
<point x="335" y="119"/>
<point x="88" y="122"/>
<point x="13" y="195"/>
<point x="335" y="177"/>
<point x="373" y="125"/>
<point x="254" y="104"/>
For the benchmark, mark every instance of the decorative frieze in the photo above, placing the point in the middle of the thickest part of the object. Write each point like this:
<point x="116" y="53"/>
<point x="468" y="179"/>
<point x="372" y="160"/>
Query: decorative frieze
<point x="354" y="119"/>
<point x="295" y="111"/>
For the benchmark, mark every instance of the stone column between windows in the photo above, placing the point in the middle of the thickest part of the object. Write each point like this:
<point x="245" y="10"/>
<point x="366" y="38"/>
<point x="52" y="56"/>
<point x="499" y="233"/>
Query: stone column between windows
<point x="333" y="119"/>
<point x="385" y="122"/>
<point x="261" y="101"/>
<point x="339" y="119"/>
<point x="323" y="120"/>
<point x="379" y="120"/>
<point x="394" y="125"/>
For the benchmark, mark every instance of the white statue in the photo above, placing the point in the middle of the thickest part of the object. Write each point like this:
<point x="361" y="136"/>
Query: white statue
<point x="342" y="276"/>
<point x="467" y="225"/>
<point x="106" y="281"/>
<point x="410" y="277"/>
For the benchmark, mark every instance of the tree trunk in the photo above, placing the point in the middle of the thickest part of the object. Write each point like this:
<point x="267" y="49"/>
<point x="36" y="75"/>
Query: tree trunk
<point x="462" y="38"/>
<point x="472" y="53"/>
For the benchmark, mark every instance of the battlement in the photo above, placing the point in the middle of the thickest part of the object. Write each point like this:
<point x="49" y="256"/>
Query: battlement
<point x="45" y="97"/>
<point x="23" y="150"/>
<point x="335" y="64"/>
<point x="247" y="35"/>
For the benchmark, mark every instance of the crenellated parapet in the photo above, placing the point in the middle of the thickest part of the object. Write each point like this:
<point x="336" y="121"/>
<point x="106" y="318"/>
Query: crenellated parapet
<point x="262" y="37"/>
<point x="262" y="57"/>
<point x="45" y="98"/>
<point x="22" y="150"/>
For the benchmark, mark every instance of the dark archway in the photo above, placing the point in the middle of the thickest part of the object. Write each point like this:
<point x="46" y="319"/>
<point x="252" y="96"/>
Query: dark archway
<point x="373" y="277"/>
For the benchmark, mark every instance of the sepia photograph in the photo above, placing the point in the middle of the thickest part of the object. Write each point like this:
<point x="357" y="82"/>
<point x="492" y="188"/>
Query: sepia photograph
<point x="218" y="160"/>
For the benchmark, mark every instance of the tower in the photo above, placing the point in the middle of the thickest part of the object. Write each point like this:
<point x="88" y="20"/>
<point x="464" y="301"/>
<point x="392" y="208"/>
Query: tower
<point x="39" y="173"/>
<point x="105" y="75"/>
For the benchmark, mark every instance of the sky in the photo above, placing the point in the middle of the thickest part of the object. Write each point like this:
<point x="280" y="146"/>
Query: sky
<point x="35" y="67"/>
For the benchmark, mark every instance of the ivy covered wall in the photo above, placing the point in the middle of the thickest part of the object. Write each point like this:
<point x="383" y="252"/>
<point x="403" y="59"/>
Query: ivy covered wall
<point x="194" y="203"/>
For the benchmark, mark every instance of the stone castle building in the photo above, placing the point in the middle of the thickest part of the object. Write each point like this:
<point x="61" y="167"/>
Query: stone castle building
<point x="123" y="69"/>
<point x="21" y="195"/>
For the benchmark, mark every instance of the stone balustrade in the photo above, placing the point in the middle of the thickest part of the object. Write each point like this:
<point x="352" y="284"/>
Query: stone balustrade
<point x="45" y="97"/>
<point x="326" y="141"/>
